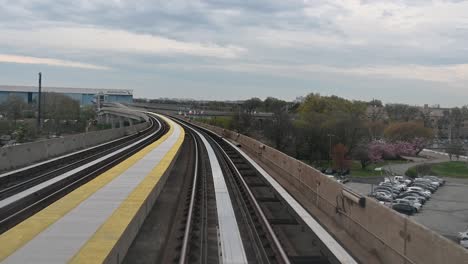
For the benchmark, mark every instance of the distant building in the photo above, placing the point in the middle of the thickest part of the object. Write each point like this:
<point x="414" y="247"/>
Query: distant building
<point x="84" y="96"/>
<point x="299" y="99"/>
<point x="376" y="113"/>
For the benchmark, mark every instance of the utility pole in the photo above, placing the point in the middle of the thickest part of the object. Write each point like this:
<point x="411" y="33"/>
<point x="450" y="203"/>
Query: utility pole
<point x="39" y="95"/>
<point x="330" y="150"/>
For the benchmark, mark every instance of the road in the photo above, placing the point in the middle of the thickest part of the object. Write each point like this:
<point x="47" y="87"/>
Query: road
<point x="426" y="157"/>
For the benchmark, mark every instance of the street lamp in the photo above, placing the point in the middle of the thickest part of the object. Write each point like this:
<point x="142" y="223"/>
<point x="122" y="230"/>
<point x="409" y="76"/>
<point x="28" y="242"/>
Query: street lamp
<point x="330" y="149"/>
<point x="39" y="94"/>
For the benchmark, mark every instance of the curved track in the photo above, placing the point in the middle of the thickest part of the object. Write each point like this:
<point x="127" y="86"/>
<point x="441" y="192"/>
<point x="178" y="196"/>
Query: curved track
<point x="272" y="232"/>
<point x="29" y="195"/>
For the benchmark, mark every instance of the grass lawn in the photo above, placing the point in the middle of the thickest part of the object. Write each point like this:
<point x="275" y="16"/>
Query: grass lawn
<point x="220" y="121"/>
<point x="455" y="169"/>
<point x="370" y="171"/>
<point x="357" y="171"/>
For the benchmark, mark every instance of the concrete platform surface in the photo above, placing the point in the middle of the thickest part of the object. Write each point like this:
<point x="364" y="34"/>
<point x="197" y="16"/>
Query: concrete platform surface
<point x="89" y="224"/>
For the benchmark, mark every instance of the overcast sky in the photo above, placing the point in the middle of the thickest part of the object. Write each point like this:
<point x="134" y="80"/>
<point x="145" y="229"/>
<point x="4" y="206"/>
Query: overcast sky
<point x="409" y="51"/>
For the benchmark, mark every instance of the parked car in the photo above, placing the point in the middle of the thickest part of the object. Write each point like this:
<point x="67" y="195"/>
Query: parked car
<point x="463" y="234"/>
<point x="384" y="197"/>
<point x="396" y="186"/>
<point x="386" y="189"/>
<point x="425" y="186"/>
<point x="402" y="179"/>
<point x="404" y="208"/>
<point x="417" y="199"/>
<point x="464" y="241"/>
<point x="389" y="192"/>
<point x="434" y="178"/>
<point x="423" y="194"/>
<point x="413" y="194"/>
<point x="419" y="189"/>
<point x="384" y="185"/>
<point x="330" y="171"/>
<point x="435" y="184"/>
<point x="388" y="204"/>
<point x="342" y="179"/>
<point x="415" y="204"/>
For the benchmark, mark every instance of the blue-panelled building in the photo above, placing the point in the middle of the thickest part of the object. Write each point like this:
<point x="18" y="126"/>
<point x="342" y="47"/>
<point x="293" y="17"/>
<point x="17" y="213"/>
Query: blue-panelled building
<point x="85" y="96"/>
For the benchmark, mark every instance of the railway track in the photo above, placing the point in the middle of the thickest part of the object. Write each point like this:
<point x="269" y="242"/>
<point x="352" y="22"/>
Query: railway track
<point x="271" y="231"/>
<point x="10" y="181"/>
<point x="226" y="209"/>
<point x="16" y="182"/>
<point x="194" y="237"/>
<point x="23" y="196"/>
<point x="279" y="229"/>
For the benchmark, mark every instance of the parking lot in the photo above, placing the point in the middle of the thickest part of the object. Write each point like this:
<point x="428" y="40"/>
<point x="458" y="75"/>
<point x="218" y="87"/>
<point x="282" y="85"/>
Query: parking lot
<point x="447" y="210"/>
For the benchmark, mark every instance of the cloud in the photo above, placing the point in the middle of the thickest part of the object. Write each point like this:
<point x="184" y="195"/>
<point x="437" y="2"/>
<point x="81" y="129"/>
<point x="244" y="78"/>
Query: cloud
<point x="449" y="74"/>
<point x="76" y="38"/>
<point x="5" y="58"/>
<point x="455" y="75"/>
<point x="411" y="43"/>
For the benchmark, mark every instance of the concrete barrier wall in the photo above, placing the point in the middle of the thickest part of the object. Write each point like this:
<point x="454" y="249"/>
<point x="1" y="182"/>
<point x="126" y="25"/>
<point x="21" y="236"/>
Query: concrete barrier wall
<point x="120" y="249"/>
<point x="14" y="157"/>
<point x="373" y="234"/>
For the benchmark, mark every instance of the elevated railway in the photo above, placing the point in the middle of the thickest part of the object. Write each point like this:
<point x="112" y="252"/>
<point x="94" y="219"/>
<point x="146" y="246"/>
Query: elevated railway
<point x="191" y="194"/>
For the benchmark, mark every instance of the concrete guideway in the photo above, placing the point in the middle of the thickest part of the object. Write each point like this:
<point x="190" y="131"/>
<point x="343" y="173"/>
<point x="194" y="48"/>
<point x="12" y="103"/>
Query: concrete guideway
<point x="337" y="250"/>
<point x="358" y="228"/>
<point x="30" y="191"/>
<point x="90" y="224"/>
<point x="79" y="152"/>
<point x="231" y="245"/>
<point x="274" y="212"/>
<point x="18" y="156"/>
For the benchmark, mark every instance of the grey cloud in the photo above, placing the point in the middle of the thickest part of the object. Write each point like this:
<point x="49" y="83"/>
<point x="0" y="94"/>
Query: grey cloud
<point x="332" y="33"/>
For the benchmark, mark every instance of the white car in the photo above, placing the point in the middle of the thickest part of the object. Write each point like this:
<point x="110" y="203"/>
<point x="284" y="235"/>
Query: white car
<point x="396" y="186"/>
<point x="402" y="179"/>
<point x="435" y="183"/>
<point x="414" y="199"/>
<point x="402" y="186"/>
<point x="464" y="242"/>
<point x="419" y="189"/>
<point x="463" y="234"/>
<point x="382" y="196"/>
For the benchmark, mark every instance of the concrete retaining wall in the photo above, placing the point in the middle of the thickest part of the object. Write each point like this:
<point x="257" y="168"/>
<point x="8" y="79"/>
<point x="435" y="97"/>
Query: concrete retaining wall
<point x="373" y="234"/>
<point x="14" y="157"/>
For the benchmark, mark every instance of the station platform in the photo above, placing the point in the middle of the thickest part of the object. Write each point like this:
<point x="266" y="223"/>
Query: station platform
<point x="96" y="223"/>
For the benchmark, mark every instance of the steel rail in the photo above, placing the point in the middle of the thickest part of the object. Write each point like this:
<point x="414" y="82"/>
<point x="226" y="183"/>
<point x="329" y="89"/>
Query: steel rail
<point x="282" y="253"/>
<point x="188" y="225"/>
<point x="55" y="194"/>
<point x="69" y="159"/>
<point x="50" y="174"/>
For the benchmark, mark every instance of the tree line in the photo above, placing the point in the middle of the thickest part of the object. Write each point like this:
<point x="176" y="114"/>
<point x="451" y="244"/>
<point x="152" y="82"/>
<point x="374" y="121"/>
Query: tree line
<point x="59" y="114"/>
<point x="329" y="127"/>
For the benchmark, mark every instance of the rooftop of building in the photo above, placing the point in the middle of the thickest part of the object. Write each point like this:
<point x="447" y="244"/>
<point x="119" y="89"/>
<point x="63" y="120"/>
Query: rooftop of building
<point x="15" y="88"/>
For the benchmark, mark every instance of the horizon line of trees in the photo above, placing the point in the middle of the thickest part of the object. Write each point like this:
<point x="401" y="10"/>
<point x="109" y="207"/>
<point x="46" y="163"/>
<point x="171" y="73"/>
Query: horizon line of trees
<point x="60" y="114"/>
<point x="312" y="130"/>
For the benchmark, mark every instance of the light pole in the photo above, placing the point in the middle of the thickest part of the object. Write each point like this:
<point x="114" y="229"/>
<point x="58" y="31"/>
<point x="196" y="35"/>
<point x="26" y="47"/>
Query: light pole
<point x="39" y="95"/>
<point x="330" y="149"/>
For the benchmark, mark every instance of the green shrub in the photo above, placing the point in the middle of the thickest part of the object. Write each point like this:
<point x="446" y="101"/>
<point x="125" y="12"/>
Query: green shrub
<point x="411" y="172"/>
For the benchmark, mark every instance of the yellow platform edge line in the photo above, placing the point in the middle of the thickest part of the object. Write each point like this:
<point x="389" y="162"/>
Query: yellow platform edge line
<point x="18" y="236"/>
<point x="97" y="249"/>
